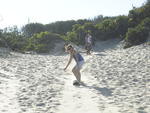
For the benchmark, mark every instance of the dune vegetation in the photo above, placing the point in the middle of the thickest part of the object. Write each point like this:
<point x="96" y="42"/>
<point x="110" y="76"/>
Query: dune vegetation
<point x="133" y="28"/>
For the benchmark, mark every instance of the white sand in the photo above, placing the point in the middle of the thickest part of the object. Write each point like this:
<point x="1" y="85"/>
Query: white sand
<point x="116" y="81"/>
<point x="8" y="88"/>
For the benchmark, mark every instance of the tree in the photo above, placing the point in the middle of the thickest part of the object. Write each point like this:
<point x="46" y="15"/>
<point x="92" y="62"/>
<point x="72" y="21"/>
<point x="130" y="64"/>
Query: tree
<point x="107" y="29"/>
<point x="60" y="27"/>
<point x="13" y="39"/>
<point x="32" y="28"/>
<point x="98" y="19"/>
<point x="148" y="2"/>
<point x="121" y="25"/>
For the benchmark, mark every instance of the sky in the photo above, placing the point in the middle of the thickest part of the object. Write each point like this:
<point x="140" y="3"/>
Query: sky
<point x="20" y="12"/>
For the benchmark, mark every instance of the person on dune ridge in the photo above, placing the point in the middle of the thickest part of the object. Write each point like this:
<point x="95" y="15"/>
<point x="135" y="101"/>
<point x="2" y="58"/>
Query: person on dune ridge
<point x="88" y="43"/>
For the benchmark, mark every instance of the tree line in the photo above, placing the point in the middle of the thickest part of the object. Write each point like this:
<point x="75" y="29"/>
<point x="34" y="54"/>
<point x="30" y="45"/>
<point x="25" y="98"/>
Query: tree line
<point x="133" y="28"/>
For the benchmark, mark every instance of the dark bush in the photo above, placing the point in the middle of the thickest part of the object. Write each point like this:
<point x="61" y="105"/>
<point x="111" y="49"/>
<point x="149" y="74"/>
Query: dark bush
<point x="146" y="23"/>
<point x="136" y="35"/>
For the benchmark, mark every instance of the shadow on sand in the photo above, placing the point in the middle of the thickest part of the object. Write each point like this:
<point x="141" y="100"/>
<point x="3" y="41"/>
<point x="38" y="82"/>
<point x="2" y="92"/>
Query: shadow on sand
<point x="104" y="91"/>
<point x="99" y="54"/>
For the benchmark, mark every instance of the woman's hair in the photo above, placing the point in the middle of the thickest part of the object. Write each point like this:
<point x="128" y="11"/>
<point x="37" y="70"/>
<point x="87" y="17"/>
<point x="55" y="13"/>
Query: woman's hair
<point x="69" y="47"/>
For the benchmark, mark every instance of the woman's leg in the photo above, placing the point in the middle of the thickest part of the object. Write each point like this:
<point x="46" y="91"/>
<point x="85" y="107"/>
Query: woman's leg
<point x="79" y="75"/>
<point x="76" y="72"/>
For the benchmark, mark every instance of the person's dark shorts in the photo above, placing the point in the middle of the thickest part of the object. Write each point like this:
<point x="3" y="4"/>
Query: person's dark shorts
<point x="88" y="47"/>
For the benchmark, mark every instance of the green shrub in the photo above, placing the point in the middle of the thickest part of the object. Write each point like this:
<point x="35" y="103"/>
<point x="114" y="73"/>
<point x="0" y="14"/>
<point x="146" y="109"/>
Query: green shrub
<point x="146" y="23"/>
<point x="107" y="29"/>
<point x="42" y="42"/>
<point x="41" y="48"/>
<point x="136" y="35"/>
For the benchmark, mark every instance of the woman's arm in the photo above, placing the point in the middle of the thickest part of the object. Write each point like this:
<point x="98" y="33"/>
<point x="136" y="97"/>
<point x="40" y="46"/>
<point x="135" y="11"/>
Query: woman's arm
<point x="70" y="59"/>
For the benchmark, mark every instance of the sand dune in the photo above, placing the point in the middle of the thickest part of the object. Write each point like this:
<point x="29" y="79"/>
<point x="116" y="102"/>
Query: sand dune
<point x="115" y="80"/>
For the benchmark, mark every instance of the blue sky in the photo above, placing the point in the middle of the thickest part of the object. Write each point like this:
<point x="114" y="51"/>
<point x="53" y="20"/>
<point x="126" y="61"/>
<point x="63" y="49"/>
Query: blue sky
<point x="17" y="12"/>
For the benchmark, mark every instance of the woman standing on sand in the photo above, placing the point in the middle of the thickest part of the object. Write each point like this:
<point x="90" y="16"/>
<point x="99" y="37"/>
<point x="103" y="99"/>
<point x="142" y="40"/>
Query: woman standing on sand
<point x="79" y="61"/>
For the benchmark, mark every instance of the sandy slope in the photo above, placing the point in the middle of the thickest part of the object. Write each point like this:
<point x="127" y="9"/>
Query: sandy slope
<point x="116" y="81"/>
<point x="8" y="89"/>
